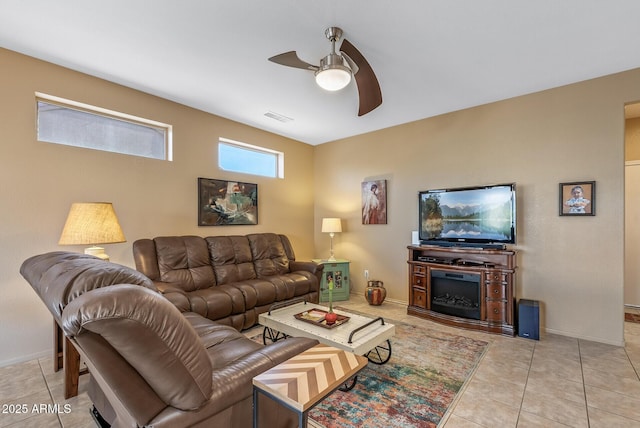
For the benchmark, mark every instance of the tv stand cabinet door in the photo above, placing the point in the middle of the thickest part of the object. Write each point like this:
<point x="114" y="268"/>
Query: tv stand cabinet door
<point x="418" y="281"/>
<point x="499" y="288"/>
<point x="496" y="311"/>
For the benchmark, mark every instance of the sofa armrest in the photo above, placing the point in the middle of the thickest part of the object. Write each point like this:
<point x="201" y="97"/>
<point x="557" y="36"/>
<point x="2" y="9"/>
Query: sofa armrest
<point x="174" y="294"/>
<point x="308" y="266"/>
<point x="315" y="268"/>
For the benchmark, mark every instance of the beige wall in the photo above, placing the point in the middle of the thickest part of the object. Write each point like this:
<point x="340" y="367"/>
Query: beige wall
<point x="573" y="265"/>
<point x="151" y="198"/>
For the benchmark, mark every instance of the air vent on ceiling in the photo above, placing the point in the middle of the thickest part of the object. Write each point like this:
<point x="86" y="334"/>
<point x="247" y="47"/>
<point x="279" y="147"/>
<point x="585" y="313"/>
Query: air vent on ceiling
<point x="279" y="117"/>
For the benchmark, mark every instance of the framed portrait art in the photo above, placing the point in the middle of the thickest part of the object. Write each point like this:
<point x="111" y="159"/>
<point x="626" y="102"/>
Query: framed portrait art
<point x="226" y="203"/>
<point x="374" y="202"/>
<point x="578" y="198"/>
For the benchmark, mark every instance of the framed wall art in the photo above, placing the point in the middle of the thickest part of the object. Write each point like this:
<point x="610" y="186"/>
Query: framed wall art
<point x="226" y="203"/>
<point x="374" y="202"/>
<point x="578" y="198"/>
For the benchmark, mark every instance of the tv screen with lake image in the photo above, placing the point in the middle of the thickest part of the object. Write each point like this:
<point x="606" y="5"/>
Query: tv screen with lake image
<point x="479" y="214"/>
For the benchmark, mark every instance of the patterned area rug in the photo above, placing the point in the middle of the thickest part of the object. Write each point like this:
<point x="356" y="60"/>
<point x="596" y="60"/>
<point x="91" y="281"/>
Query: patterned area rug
<point x="414" y="389"/>
<point x="632" y="317"/>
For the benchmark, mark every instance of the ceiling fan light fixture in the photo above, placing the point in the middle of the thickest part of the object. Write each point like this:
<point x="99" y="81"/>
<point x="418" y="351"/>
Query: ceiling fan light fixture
<point x="333" y="79"/>
<point x="333" y="75"/>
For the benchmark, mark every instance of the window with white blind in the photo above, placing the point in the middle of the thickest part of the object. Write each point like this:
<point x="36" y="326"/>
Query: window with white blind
<point x="71" y="123"/>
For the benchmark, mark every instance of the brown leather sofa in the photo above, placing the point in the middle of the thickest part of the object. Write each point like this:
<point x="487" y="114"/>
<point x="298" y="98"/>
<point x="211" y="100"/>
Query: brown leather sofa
<point x="228" y="279"/>
<point x="150" y="364"/>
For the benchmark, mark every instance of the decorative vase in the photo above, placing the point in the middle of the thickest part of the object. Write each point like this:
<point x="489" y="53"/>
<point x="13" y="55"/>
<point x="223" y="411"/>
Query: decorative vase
<point x="375" y="292"/>
<point x="331" y="318"/>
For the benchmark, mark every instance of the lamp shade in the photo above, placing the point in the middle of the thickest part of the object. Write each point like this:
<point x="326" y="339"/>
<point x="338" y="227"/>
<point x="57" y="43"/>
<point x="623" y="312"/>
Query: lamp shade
<point x="91" y="223"/>
<point x="331" y="225"/>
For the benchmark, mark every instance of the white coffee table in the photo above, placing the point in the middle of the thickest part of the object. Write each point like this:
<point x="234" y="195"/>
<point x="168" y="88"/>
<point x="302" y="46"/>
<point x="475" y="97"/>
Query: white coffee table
<point x="360" y="334"/>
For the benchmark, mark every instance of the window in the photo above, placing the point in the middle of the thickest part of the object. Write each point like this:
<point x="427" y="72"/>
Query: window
<point x="71" y="123"/>
<point x="241" y="157"/>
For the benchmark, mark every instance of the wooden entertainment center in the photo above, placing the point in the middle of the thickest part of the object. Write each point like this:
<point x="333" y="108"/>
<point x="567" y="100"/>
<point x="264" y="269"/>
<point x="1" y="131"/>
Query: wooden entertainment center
<point x="491" y="270"/>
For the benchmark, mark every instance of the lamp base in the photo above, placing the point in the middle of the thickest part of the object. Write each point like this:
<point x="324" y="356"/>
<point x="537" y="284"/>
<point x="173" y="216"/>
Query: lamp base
<point x="331" y="259"/>
<point x="97" y="252"/>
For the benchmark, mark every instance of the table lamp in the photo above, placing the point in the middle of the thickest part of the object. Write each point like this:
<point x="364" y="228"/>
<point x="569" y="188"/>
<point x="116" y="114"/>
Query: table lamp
<point x="92" y="223"/>
<point x="331" y="226"/>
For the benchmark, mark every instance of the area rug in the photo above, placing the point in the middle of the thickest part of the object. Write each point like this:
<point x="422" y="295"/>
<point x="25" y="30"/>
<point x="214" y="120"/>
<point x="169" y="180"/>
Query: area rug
<point x="632" y="317"/>
<point x="414" y="389"/>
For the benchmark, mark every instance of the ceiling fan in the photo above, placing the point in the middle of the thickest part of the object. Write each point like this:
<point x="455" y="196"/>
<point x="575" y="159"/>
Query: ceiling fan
<point x="336" y="69"/>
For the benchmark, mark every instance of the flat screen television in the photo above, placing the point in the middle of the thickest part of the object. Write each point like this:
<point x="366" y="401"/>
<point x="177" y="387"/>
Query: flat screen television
<point x="482" y="216"/>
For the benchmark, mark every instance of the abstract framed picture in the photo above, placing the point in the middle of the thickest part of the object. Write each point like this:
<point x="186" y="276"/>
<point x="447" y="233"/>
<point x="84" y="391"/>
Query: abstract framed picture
<point x="227" y="203"/>
<point x="374" y="202"/>
<point x="578" y="198"/>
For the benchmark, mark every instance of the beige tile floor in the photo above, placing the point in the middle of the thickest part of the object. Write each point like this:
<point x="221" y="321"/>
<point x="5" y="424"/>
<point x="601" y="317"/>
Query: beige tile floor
<point x="555" y="382"/>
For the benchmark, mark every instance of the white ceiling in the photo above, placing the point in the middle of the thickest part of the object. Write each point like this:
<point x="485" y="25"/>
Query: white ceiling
<point x="430" y="56"/>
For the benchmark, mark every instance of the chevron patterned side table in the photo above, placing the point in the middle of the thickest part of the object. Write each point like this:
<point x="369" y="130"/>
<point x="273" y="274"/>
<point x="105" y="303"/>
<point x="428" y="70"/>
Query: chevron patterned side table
<point x="303" y="381"/>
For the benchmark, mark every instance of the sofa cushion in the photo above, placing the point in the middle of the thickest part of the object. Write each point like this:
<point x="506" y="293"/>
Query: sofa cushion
<point x="217" y="302"/>
<point x="152" y="335"/>
<point x="231" y="258"/>
<point x="293" y="284"/>
<point x="223" y="343"/>
<point x="269" y="256"/>
<point x="184" y="260"/>
<point x="259" y="292"/>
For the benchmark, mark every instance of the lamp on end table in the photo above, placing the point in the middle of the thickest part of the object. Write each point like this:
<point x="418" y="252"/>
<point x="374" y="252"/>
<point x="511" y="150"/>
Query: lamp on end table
<point x="92" y="223"/>
<point x="331" y="226"/>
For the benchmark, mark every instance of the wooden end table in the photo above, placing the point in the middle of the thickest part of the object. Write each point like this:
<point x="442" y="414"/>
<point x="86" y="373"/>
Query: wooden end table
<point x="305" y="380"/>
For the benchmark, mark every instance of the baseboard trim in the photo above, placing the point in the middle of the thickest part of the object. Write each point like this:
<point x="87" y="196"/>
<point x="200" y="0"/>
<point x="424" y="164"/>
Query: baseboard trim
<point x="25" y="358"/>
<point x="397" y="302"/>
<point x="589" y="338"/>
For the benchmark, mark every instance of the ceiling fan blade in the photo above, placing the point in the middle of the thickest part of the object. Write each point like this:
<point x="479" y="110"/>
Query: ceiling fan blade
<point x="290" y="59"/>
<point x="368" y="87"/>
<point x="352" y="65"/>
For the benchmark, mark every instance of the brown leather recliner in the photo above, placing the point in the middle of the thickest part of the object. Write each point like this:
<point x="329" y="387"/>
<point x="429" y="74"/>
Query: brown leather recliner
<point x="159" y="368"/>
<point x="152" y="365"/>
<point x="59" y="277"/>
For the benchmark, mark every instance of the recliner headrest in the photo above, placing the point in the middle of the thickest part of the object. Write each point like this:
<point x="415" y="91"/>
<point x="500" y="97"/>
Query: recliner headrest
<point x="59" y="277"/>
<point x="151" y="335"/>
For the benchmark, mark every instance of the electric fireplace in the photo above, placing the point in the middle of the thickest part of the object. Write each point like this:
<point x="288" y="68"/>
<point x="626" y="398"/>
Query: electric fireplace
<point x="455" y="293"/>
